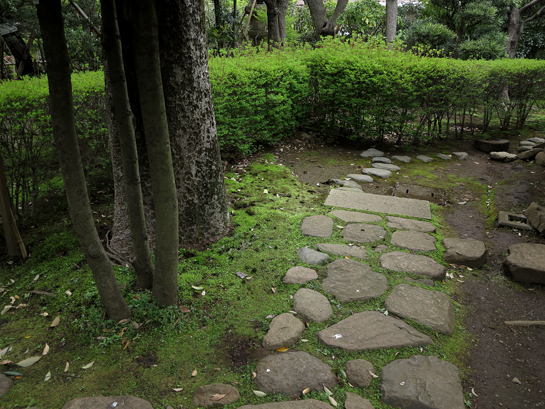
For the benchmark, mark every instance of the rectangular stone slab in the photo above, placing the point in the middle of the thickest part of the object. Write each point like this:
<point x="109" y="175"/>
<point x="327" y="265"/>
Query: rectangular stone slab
<point x="378" y="203"/>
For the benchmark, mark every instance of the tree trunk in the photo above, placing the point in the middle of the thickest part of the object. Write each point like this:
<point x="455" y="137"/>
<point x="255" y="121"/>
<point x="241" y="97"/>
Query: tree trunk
<point x="276" y="21"/>
<point x="64" y="132"/>
<point x="513" y="31"/>
<point x="322" y="24"/>
<point x="391" y="21"/>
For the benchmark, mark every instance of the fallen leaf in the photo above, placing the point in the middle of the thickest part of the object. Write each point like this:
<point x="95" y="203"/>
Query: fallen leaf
<point x="473" y="392"/>
<point x="46" y="349"/>
<point x="5" y="362"/>
<point x="88" y="365"/>
<point x="259" y="394"/>
<point x="28" y="336"/>
<point x="372" y="374"/>
<point x="273" y="290"/>
<point x="254" y="375"/>
<point x="12" y="373"/>
<point x="306" y="390"/>
<point x="44" y="314"/>
<point x="178" y="389"/>
<point x="68" y="293"/>
<point x="123" y="321"/>
<point x="270" y="316"/>
<point x="6" y="309"/>
<point x="304" y="340"/>
<point x="194" y="373"/>
<point x="350" y="385"/>
<point x="56" y="321"/>
<point x="265" y="191"/>
<point x="35" y="278"/>
<point x="469" y="268"/>
<point x="197" y="288"/>
<point x="218" y="397"/>
<point x="29" y="361"/>
<point x="21" y="306"/>
<point x="184" y="309"/>
<point x="3" y="352"/>
<point x="343" y="373"/>
<point x="340" y="227"/>
<point x="47" y="376"/>
<point x="329" y="393"/>
<point x="126" y="345"/>
<point x="240" y="274"/>
<point x="283" y="349"/>
<point x="333" y="401"/>
<point x="66" y="367"/>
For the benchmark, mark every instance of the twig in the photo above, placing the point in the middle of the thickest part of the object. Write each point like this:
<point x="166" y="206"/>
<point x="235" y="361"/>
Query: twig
<point x="525" y="323"/>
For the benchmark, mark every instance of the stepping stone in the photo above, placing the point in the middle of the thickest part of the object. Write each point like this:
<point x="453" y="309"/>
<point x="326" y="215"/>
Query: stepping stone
<point x="299" y="275"/>
<point x="422" y="382"/>
<point x="360" y="178"/>
<point x="530" y="154"/>
<point x="410" y="224"/>
<point x="207" y="395"/>
<point x="311" y="305"/>
<point x="295" y="404"/>
<point x="310" y="256"/>
<point x="413" y="240"/>
<point x="443" y="156"/>
<point x="94" y="402"/>
<point x="514" y="221"/>
<point x="536" y="216"/>
<point x="524" y="148"/>
<point x="363" y="233"/>
<point x="503" y="156"/>
<point x="424" y="281"/>
<point x="289" y="373"/>
<point x="465" y="252"/>
<point x="5" y="384"/>
<point x="381" y="248"/>
<point x="527" y="143"/>
<point x="404" y="159"/>
<point x="345" y="183"/>
<point x="536" y="140"/>
<point x="430" y="308"/>
<point x="317" y="226"/>
<point x="284" y="331"/>
<point x="355" y="217"/>
<point x="461" y="155"/>
<point x="380" y="159"/>
<point x="372" y="330"/>
<point x="387" y="166"/>
<point x="351" y="189"/>
<point x="371" y="152"/>
<point x="401" y="206"/>
<point x="354" y="401"/>
<point x="349" y="280"/>
<point x="343" y="250"/>
<point x="413" y="264"/>
<point x="381" y="173"/>
<point x="540" y="159"/>
<point x="357" y="372"/>
<point x="424" y="158"/>
<point x="490" y="145"/>
<point x="526" y="262"/>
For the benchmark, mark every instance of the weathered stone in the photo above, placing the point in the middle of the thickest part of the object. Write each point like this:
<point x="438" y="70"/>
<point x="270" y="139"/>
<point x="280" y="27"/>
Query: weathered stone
<point x="317" y="226"/>
<point x="355" y="217"/>
<point x="350" y="189"/>
<point x="529" y="154"/>
<point x="299" y="275"/>
<point x="489" y="145"/>
<point x="503" y="156"/>
<point x="294" y="404"/>
<point x="526" y="262"/>
<point x="414" y="264"/>
<point x="399" y="158"/>
<point x="387" y="166"/>
<point x="424" y="158"/>
<point x="524" y="148"/>
<point x="381" y="159"/>
<point x="5" y="384"/>
<point x="349" y="280"/>
<point x="527" y="143"/>
<point x="422" y="382"/>
<point x="430" y="308"/>
<point x="354" y="401"/>
<point x="371" y="152"/>
<point x="289" y="373"/>
<point x="363" y="233"/>
<point x="357" y="372"/>
<point x="311" y="305"/>
<point x="443" y="156"/>
<point x="425" y="281"/>
<point x="536" y="216"/>
<point x="207" y="395"/>
<point x="372" y="330"/>
<point x="413" y="240"/>
<point x="514" y="221"/>
<point x="345" y="183"/>
<point x="361" y="178"/>
<point x="466" y="252"/>
<point x="540" y="159"/>
<point x="94" y="402"/>
<point x="310" y="256"/>
<point x="381" y="248"/>
<point x="535" y="139"/>
<point x="410" y="224"/>
<point x="461" y="155"/>
<point x="343" y="250"/>
<point x="381" y="173"/>
<point x="284" y="331"/>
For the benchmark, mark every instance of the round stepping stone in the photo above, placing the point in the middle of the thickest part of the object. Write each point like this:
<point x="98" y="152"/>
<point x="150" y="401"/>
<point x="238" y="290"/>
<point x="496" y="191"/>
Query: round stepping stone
<point x="424" y="281"/>
<point x="490" y="145"/>
<point x="400" y="158"/>
<point x="413" y="240"/>
<point x="310" y="256"/>
<point x="93" y="402"/>
<point x="349" y="280"/>
<point x="466" y="252"/>
<point x="299" y="275"/>
<point x="5" y="384"/>
<point x="355" y="217"/>
<point x="354" y="401"/>
<point x="343" y="250"/>
<point x="357" y="372"/>
<point x="387" y="166"/>
<point x="461" y="155"/>
<point x="371" y="152"/>
<point x="380" y="159"/>
<point x="409" y="224"/>
<point x="443" y="156"/>
<point x="503" y="156"/>
<point x="372" y="330"/>
<point x="422" y="382"/>
<point x="527" y="143"/>
<point x="289" y="373"/>
<point x="361" y="178"/>
<point x="208" y="395"/>
<point x="284" y="331"/>
<point x="430" y="308"/>
<point x="295" y="404"/>
<point x="526" y="262"/>
<point x="381" y="173"/>
<point x="311" y="305"/>
<point x="317" y="226"/>
<point x="414" y="264"/>
<point x="363" y="233"/>
<point x="424" y="158"/>
<point x="346" y="183"/>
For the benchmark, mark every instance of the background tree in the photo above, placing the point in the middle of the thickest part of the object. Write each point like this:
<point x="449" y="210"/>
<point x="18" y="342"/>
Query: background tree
<point x="391" y="21"/>
<point x="323" y="25"/>
<point x="519" y="16"/>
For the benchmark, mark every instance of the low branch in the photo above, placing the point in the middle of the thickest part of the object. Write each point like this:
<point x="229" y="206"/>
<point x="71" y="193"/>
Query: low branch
<point x="536" y="15"/>
<point x="527" y="6"/>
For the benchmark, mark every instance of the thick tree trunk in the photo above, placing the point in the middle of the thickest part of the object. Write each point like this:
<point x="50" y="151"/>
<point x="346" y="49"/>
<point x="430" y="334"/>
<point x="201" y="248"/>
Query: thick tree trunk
<point x="322" y="24"/>
<point x="391" y="21"/>
<point x="276" y="21"/>
<point x="514" y="29"/>
<point x="64" y="132"/>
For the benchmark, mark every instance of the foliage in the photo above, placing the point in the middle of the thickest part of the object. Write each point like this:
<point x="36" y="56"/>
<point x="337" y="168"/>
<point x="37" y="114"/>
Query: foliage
<point x="433" y="35"/>
<point x="490" y="46"/>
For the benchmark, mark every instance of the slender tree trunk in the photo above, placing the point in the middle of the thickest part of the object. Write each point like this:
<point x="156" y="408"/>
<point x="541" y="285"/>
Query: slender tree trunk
<point x="513" y="31"/>
<point x="322" y="24"/>
<point x="64" y="132"/>
<point x="391" y="21"/>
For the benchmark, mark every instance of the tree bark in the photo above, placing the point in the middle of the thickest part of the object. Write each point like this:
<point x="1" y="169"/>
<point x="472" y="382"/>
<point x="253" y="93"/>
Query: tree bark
<point x="322" y="24"/>
<point x="515" y="25"/>
<point x="64" y="132"/>
<point x="391" y="21"/>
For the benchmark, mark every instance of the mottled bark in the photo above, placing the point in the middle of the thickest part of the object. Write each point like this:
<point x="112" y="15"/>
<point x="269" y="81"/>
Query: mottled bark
<point x="391" y="21"/>
<point x="516" y="23"/>
<point x="276" y="21"/>
<point x="322" y="24"/>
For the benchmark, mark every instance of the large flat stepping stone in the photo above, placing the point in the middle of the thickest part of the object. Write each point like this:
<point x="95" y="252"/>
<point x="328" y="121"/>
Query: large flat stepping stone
<point x="5" y="384"/>
<point x="433" y="309"/>
<point x="536" y="139"/>
<point x="284" y="331"/>
<point x="492" y="145"/>
<point x="355" y="217"/>
<point x="409" y="224"/>
<point x="371" y="152"/>
<point x="361" y="178"/>
<point x="299" y="275"/>
<point x="461" y="155"/>
<point x="357" y="372"/>
<point x="354" y="401"/>
<point x="466" y="252"/>
<point x="372" y="330"/>
<point x="387" y="166"/>
<point x="294" y="404"/>
<point x="422" y="382"/>
<point x="526" y="262"/>
<point x="208" y="395"/>
<point x="94" y="402"/>
<point x="317" y="226"/>
<point x="401" y="206"/>
<point x="349" y="280"/>
<point x="363" y="233"/>
<point x="342" y="250"/>
<point x="380" y="159"/>
<point x="289" y="373"/>
<point x="311" y="305"/>
<point x="424" y="158"/>
<point x="310" y="256"/>
<point x="381" y="173"/>
<point x="346" y="183"/>
<point x="414" y="264"/>
<point x="401" y="158"/>
<point x="413" y="240"/>
<point x="443" y="156"/>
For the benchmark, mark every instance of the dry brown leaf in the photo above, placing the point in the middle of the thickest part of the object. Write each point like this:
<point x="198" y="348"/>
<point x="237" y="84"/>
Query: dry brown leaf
<point x="68" y="293"/>
<point x="372" y="374"/>
<point x="283" y="349"/>
<point x="46" y="349"/>
<point x="66" y="367"/>
<point x="306" y="390"/>
<point x="194" y="373"/>
<point x="56" y="321"/>
<point x="178" y="389"/>
<point x="5" y="362"/>
<point x="29" y="361"/>
<point x="332" y="401"/>
<point x="218" y="397"/>
<point x="254" y="375"/>
<point x="126" y="345"/>
<point x="184" y="309"/>
<point x="273" y="290"/>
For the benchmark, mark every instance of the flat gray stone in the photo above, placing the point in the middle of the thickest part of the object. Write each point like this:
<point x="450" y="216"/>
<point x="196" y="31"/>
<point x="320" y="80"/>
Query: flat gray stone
<point x="310" y="256"/>
<point x="401" y="206"/>
<point x="289" y="373"/>
<point x="466" y="252"/>
<point x="381" y="248"/>
<point x="284" y="331"/>
<point x="317" y="226"/>
<point x="354" y="401"/>
<point x="527" y="143"/>
<point x="294" y="404"/>
<point x="357" y="372"/>
<point x="343" y="250"/>
<point x="361" y="178"/>
<point x="207" y="395"/>
<point x="424" y="158"/>
<point x="530" y="154"/>
<point x="401" y="158"/>
<point x="94" y="402"/>
<point x="299" y="275"/>
<point x="535" y="139"/>
<point x="536" y="216"/>
<point x="524" y="148"/>
<point x="363" y="233"/>
<point x="526" y="262"/>
<point x="349" y="280"/>
<point x="503" y="156"/>
<point x="311" y="305"/>
<point x="5" y="384"/>
<point x="430" y="308"/>
<point x="387" y="166"/>
<point x="381" y="173"/>
<point x="443" y="156"/>
<point x="371" y="152"/>
<point x="346" y="183"/>
<point x="413" y="240"/>
<point x="355" y="217"/>
<point x="414" y="264"/>
<point x="401" y="223"/>
<point x="380" y="159"/>
<point x="424" y="281"/>
<point x="461" y="155"/>
<point x="422" y="382"/>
